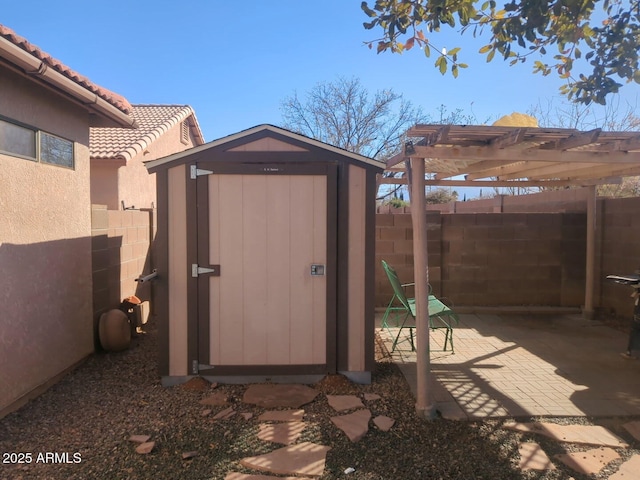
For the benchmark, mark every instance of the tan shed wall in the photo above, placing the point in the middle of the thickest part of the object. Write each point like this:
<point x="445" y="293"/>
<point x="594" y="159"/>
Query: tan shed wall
<point x="45" y="247"/>
<point x="178" y="269"/>
<point x="356" y="306"/>
<point x="267" y="145"/>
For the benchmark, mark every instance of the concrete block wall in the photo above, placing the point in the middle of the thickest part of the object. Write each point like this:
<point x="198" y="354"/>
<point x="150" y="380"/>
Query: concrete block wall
<point x="394" y="244"/>
<point x="513" y="259"/>
<point x="618" y="233"/>
<point x="550" y="201"/>
<point x="121" y="246"/>
<point x="490" y="259"/>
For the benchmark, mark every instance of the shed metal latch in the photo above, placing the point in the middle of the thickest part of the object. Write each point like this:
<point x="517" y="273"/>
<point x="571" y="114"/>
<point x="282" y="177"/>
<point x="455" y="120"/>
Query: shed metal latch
<point x="196" y="271"/>
<point x="197" y="172"/>
<point x="317" y="269"/>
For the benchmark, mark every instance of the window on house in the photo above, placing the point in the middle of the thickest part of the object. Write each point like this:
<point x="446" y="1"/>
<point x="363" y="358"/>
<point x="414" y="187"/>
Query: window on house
<point x="17" y="140"/>
<point x="33" y="144"/>
<point x="56" y="150"/>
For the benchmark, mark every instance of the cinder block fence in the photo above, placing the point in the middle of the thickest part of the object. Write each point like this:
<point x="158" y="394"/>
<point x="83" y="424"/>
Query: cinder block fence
<point x="528" y="255"/>
<point x="490" y="259"/>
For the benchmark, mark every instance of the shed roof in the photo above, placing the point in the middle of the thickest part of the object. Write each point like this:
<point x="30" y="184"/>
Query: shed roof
<point x="265" y="128"/>
<point x="529" y="156"/>
<point x="153" y="121"/>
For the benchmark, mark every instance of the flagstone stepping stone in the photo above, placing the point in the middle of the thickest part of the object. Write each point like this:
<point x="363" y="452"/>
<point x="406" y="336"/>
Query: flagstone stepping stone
<point x="217" y="399"/>
<point x="145" y="448"/>
<point x="304" y="458"/>
<point x="247" y="415"/>
<point x="355" y="425"/>
<point x="532" y="457"/>
<point x="384" y="423"/>
<point x="370" y="397"/>
<point x="285" y="433"/>
<point x="344" y="402"/>
<point x="633" y="428"/>
<point x="270" y="395"/>
<point x="583" y="434"/>
<point x="224" y="414"/>
<point x="244" y="476"/>
<point x="189" y="455"/>
<point x="139" y="438"/>
<point x="282" y="416"/>
<point x="628" y="470"/>
<point x="589" y="462"/>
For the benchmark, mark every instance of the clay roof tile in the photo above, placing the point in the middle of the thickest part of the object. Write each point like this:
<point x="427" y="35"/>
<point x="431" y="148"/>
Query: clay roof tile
<point x="114" y="99"/>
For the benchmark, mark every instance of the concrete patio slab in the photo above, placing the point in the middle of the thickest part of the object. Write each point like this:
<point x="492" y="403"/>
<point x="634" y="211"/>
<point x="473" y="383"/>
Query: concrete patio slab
<point x="304" y="458"/>
<point x="355" y="425"/>
<point x="284" y="433"/>
<point x="282" y="416"/>
<point x="589" y="462"/>
<point x="628" y="469"/>
<point x="581" y="434"/>
<point x="341" y="403"/>
<point x="528" y="365"/>
<point x="533" y="457"/>
<point x="384" y="423"/>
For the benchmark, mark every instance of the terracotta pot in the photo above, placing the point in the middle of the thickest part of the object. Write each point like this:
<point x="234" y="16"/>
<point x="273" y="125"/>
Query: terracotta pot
<point x="114" y="331"/>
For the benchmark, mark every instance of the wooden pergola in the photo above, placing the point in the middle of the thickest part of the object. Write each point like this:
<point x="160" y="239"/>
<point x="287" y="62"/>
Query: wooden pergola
<point x="502" y="156"/>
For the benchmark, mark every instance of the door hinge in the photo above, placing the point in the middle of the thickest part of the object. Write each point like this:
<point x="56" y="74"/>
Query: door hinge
<point x="194" y="367"/>
<point x="197" y="270"/>
<point x="197" y="172"/>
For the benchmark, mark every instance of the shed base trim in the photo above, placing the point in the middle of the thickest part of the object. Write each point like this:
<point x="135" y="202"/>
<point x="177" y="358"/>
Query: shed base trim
<point x="363" y="378"/>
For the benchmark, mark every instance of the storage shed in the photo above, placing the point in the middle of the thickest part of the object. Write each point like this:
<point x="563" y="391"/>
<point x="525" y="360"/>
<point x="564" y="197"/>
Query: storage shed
<point x="265" y="259"/>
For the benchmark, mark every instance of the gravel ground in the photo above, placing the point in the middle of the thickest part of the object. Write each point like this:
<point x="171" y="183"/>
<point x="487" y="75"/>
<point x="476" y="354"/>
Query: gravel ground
<point x="92" y="412"/>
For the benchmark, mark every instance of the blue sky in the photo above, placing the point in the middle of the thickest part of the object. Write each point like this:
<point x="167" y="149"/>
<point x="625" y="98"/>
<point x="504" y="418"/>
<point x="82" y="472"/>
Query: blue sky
<point x="235" y="61"/>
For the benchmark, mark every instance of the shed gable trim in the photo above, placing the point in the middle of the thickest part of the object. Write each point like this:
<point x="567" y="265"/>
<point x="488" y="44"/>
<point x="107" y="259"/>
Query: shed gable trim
<point x="261" y="131"/>
<point x="267" y="144"/>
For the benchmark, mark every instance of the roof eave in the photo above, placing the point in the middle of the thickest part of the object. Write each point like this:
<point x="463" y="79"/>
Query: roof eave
<point x="36" y="69"/>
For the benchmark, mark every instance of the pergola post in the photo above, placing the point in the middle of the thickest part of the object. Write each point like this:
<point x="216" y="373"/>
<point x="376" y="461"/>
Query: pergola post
<point x="425" y="406"/>
<point x="588" y="311"/>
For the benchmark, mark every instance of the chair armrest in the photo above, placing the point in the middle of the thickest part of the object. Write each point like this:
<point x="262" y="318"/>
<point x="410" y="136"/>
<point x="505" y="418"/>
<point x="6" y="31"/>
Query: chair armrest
<point x="407" y="285"/>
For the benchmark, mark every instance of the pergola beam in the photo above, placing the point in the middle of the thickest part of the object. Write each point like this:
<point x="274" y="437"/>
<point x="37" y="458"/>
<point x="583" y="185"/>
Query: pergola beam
<point x="508" y="139"/>
<point x="578" y="139"/>
<point x="505" y="183"/>
<point x="516" y="155"/>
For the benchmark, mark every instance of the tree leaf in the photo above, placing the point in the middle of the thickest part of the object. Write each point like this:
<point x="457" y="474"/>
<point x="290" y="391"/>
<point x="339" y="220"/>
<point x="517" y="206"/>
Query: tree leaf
<point x="443" y="65"/>
<point x="485" y="49"/>
<point x="409" y="44"/>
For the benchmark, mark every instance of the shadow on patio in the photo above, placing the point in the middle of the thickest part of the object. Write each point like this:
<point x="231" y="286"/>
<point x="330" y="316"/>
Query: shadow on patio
<point x="529" y="365"/>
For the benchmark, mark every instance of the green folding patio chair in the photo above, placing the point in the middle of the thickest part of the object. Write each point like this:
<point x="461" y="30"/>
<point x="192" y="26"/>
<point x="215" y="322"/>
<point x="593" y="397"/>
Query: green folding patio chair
<point x="401" y="312"/>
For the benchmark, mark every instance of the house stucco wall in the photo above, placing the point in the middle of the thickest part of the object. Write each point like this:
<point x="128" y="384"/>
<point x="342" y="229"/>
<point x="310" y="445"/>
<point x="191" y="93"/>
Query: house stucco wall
<point x="45" y="246"/>
<point x="114" y="182"/>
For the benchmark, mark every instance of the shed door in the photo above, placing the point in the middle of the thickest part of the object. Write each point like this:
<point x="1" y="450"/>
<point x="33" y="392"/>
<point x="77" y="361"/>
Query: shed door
<point x="268" y="234"/>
